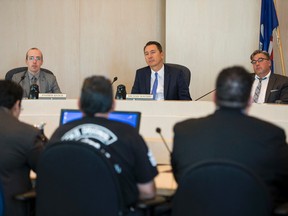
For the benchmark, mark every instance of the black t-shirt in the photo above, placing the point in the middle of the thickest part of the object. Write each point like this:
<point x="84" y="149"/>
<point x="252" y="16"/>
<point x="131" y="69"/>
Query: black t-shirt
<point x="130" y="155"/>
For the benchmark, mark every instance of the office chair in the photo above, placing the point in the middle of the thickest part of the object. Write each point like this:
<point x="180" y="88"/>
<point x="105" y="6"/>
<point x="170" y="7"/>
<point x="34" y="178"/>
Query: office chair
<point x="186" y="71"/>
<point x="13" y="71"/>
<point x="221" y="188"/>
<point x="74" y="178"/>
<point x="1" y="200"/>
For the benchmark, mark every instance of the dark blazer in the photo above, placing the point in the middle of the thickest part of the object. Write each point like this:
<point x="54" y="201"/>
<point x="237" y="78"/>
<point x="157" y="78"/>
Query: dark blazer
<point x="229" y="134"/>
<point x="277" y="89"/>
<point x="47" y="82"/>
<point x="175" y="87"/>
<point x="20" y="146"/>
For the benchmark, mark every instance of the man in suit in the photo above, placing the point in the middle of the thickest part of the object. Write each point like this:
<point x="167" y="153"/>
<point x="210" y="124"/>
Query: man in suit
<point x="168" y="82"/>
<point x="268" y="87"/>
<point x="230" y="134"/>
<point x="20" y="145"/>
<point x="46" y="82"/>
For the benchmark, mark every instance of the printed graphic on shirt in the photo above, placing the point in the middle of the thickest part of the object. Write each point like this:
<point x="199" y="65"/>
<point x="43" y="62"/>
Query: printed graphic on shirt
<point x="90" y="131"/>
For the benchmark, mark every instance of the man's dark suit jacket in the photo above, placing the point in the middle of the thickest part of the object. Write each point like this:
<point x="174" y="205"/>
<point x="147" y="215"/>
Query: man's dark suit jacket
<point x="229" y="134"/>
<point x="175" y="87"/>
<point x="19" y="154"/>
<point x="277" y="89"/>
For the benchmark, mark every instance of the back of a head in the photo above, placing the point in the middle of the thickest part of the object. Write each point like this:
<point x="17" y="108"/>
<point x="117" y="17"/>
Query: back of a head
<point x="10" y="92"/>
<point x="96" y="95"/>
<point x="233" y="87"/>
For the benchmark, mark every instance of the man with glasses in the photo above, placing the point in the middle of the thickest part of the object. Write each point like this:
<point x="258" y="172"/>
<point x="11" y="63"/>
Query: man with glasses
<point x="21" y="144"/>
<point x="268" y="87"/>
<point x="46" y="82"/>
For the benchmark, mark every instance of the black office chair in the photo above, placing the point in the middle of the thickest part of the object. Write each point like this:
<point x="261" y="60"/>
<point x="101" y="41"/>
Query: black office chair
<point x="13" y="71"/>
<point x="1" y="200"/>
<point x="186" y="71"/>
<point x="74" y="178"/>
<point x="221" y="188"/>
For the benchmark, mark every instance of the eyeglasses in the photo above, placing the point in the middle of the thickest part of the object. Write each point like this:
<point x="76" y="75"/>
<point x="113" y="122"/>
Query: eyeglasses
<point x="32" y="58"/>
<point x="259" y="60"/>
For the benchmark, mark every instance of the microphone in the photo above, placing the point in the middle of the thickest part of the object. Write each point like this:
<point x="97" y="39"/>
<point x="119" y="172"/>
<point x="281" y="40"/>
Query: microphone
<point x="114" y="80"/>
<point x="158" y="130"/>
<point x="34" y="91"/>
<point x="205" y="94"/>
<point x="22" y="77"/>
<point x="121" y="92"/>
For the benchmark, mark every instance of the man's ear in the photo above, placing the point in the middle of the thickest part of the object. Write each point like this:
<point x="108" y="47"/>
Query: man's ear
<point x="214" y="96"/>
<point x="16" y="109"/>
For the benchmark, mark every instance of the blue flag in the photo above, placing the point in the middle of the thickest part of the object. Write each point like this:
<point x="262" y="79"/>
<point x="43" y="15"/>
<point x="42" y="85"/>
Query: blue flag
<point x="268" y="22"/>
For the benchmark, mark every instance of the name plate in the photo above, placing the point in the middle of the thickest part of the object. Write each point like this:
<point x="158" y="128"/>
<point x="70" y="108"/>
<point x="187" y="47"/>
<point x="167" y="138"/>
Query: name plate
<point x="139" y="97"/>
<point x="52" y="96"/>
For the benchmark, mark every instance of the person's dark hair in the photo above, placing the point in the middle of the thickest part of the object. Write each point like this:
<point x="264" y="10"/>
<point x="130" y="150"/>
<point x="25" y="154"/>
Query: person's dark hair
<point x="34" y="48"/>
<point x="10" y="92"/>
<point x="233" y="87"/>
<point x="259" y="52"/>
<point x="154" y="43"/>
<point x="96" y="95"/>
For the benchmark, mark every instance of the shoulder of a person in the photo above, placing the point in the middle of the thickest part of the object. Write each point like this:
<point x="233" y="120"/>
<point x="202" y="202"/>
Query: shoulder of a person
<point x="143" y="69"/>
<point x="18" y="75"/>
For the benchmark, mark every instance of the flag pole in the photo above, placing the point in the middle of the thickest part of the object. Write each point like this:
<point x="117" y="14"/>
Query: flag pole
<point x="279" y="43"/>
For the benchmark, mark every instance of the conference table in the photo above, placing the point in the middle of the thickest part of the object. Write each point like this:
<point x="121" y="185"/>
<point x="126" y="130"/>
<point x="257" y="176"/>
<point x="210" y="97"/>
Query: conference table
<point x="154" y="114"/>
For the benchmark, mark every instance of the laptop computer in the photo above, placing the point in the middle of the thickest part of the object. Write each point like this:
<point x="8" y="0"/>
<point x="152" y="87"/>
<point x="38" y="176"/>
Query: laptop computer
<point x="129" y="117"/>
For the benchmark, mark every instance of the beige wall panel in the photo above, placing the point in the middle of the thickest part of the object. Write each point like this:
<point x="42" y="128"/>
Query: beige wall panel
<point x="113" y="34"/>
<point x="208" y="35"/>
<point x="53" y="27"/>
<point x="81" y="37"/>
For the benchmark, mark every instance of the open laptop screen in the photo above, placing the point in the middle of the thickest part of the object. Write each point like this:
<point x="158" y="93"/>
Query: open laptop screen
<point x="129" y="117"/>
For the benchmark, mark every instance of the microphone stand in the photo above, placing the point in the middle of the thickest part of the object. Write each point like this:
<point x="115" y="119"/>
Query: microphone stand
<point x="205" y="95"/>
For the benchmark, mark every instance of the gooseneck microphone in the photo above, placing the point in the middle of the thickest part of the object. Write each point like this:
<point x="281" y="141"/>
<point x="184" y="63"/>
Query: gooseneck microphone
<point x="114" y="80"/>
<point x="22" y="77"/>
<point x="158" y="130"/>
<point x="205" y="94"/>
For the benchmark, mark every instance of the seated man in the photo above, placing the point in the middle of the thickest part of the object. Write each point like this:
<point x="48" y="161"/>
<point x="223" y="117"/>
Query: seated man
<point x="230" y="134"/>
<point x="47" y="82"/>
<point x="161" y="80"/>
<point x="268" y="87"/>
<point x="128" y="149"/>
<point x="20" y="144"/>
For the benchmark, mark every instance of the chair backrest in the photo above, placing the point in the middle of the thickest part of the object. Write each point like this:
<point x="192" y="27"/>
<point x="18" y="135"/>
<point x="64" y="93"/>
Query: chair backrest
<point x="74" y="178"/>
<point x="186" y="71"/>
<point x="221" y="188"/>
<point x="13" y="71"/>
<point x="1" y="200"/>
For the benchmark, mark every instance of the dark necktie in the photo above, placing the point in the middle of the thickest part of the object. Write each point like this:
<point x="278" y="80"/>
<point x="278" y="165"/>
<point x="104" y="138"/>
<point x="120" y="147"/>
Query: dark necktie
<point x="33" y="80"/>
<point x="154" y="89"/>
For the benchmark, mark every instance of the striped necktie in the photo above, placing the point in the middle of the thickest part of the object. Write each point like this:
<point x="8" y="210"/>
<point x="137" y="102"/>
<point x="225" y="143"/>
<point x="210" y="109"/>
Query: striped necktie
<point x="155" y="85"/>
<point x="34" y="80"/>
<point x="258" y="89"/>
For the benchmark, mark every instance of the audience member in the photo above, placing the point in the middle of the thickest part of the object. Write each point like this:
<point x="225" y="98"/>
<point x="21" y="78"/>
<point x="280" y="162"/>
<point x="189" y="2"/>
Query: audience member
<point x="20" y="144"/>
<point x="34" y="75"/>
<point x="161" y="80"/>
<point x="268" y="87"/>
<point x="127" y="148"/>
<point x="230" y="134"/>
